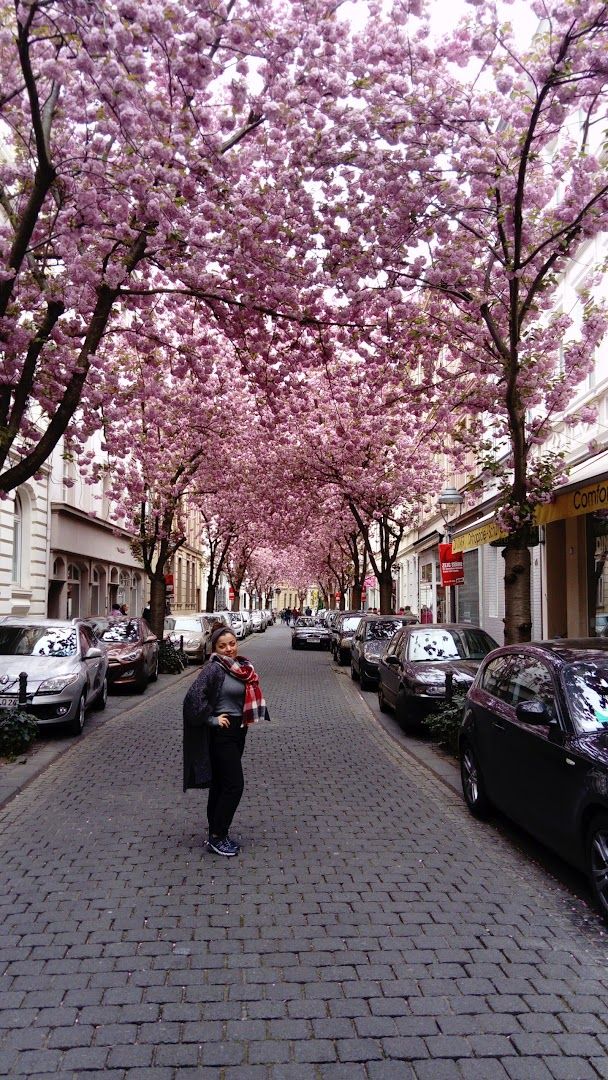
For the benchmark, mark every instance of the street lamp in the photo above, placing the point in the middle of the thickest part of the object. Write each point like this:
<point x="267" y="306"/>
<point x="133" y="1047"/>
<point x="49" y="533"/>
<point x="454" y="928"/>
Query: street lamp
<point x="450" y="499"/>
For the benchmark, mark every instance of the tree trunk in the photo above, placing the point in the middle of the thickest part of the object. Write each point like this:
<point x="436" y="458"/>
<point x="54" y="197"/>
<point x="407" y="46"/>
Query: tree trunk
<point x="158" y="603"/>
<point x="518" y="609"/>
<point x="385" y="581"/>
<point x="356" y="596"/>
<point x="235" y="603"/>
<point x="210" y="601"/>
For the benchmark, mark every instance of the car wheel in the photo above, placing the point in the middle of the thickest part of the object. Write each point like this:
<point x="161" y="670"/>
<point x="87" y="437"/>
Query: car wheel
<point x="154" y="675"/>
<point x="473" y="787"/>
<point x="353" y="674"/>
<point x="294" y="645"/>
<point x="366" y="684"/>
<point x="596" y="861"/>
<point x="76" y="725"/>
<point x="142" y="681"/>
<point x="102" y="698"/>
<point x="381" y="700"/>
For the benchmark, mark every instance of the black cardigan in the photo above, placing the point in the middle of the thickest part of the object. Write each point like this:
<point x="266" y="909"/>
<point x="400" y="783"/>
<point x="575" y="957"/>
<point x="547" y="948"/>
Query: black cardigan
<point x="197" y="712"/>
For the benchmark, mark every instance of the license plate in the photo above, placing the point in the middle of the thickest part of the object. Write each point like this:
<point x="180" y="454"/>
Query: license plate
<point x="8" y="702"/>
<point x="311" y="638"/>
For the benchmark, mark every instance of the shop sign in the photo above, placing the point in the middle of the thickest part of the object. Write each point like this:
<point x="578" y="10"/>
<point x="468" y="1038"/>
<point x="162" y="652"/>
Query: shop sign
<point x="169" y="584"/>
<point x="231" y="593"/>
<point x="585" y="500"/>
<point x="484" y="534"/>
<point x="338" y="595"/>
<point x="450" y="565"/>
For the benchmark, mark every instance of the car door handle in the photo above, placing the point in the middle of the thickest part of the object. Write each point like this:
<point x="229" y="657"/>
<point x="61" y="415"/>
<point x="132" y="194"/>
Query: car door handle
<point x="498" y="726"/>
<point x="570" y="761"/>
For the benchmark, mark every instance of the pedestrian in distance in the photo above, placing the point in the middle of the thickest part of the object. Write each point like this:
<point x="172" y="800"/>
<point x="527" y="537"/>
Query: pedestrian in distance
<point x="146" y="614"/>
<point x="218" y="709"/>
<point x="124" y="609"/>
<point x="115" y="609"/>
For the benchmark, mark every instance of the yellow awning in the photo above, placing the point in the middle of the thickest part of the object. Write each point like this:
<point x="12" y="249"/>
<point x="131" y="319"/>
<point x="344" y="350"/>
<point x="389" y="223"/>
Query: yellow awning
<point x="582" y="500"/>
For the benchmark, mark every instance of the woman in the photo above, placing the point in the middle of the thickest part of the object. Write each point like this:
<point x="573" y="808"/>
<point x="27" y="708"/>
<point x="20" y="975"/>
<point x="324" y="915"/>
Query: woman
<point x="218" y="708"/>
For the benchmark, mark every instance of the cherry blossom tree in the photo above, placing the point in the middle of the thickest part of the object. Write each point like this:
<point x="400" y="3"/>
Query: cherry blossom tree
<point x="474" y="177"/>
<point x="149" y="152"/>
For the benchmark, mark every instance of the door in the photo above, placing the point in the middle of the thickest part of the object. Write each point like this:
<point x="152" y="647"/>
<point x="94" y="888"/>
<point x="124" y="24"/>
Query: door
<point x="390" y="666"/>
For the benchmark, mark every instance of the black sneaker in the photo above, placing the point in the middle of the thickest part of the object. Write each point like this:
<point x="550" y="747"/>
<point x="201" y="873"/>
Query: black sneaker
<point x="223" y="846"/>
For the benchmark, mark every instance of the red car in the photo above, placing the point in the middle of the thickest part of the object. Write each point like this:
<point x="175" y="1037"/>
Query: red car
<point x="132" y="650"/>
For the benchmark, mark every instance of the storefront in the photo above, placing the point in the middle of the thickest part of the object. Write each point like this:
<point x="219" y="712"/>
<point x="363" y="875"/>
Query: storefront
<point x="569" y="572"/>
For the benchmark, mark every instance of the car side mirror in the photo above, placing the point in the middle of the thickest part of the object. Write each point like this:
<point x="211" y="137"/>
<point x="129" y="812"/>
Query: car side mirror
<point x="391" y="660"/>
<point x="533" y="712"/>
<point x="151" y="637"/>
<point x="94" y="653"/>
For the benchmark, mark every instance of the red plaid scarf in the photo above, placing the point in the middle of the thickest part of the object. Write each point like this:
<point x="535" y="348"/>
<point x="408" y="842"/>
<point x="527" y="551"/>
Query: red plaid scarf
<point x="254" y="708"/>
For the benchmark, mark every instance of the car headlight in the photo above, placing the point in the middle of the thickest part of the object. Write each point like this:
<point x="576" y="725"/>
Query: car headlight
<point x="57" y="683"/>
<point x="369" y="654"/>
<point x="129" y="658"/>
<point x="432" y="689"/>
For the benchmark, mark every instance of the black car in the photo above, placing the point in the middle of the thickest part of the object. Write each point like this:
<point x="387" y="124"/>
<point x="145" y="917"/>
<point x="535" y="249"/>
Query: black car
<point x="534" y="744"/>
<point x="309" y="631"/>
<point x="369" y="643"/>
<point x="420" y="659"/>
<point x="343" y="633"/>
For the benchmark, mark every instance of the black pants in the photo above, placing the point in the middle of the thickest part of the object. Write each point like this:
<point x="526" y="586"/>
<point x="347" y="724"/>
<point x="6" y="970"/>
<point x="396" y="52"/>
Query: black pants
<point x="226" y="746"/>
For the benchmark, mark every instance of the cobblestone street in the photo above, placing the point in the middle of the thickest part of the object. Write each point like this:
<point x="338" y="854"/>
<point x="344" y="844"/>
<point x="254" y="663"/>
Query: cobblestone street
<point x="369" y="929"/>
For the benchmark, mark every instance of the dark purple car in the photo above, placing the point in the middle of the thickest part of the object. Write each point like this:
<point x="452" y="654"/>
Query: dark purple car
<point x="534" y="744"/>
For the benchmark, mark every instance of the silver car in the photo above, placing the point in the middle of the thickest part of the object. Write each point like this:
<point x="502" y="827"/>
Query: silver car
<point x="194" y="633"/>
<point x="65" y="668"/>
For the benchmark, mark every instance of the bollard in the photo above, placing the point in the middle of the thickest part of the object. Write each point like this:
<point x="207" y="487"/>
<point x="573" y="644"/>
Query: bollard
<point x="449" y="686"/>
<point x="22" y="700"/>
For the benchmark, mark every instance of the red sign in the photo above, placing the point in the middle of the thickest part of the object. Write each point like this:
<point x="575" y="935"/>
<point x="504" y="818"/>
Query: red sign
<point x="231" y="593"/>
<point x="451" y="565"/>
<point x="363" y="596"/>
<point x="337" y="596"/>
<point x="169" y="584"/>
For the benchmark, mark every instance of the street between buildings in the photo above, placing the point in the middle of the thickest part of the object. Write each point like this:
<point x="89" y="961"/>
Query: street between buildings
<point x="369" y="928"/>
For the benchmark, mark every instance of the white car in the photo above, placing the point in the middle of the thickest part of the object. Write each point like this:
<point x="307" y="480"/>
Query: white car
<point x="257" y="621"/>
<point x="237" y="623"/>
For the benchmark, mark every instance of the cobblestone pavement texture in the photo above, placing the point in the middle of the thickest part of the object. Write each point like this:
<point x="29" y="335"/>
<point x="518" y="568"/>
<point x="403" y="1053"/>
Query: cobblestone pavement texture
<point x="369" y="929"/>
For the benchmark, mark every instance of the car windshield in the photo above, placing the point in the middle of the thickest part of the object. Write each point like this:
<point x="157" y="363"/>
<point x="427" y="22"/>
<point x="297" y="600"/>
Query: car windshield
<point x="444" y="644"/>
<point x="188" y="624"/>
<point x="586" y="685"/>
<point x="306" y="620"/>
<point x="382" y="630"/>
<point x="350" y="623"/>
<point x="120" y="631"/>
<point x="38" y="641"/>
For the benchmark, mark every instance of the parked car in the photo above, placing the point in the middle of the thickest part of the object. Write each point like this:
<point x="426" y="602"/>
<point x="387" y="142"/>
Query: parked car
<point x="65" y="664"/>
<point x="215" y="618"/>
<point x="342" y="635"/>
<point x="132" y="652"/>
<point x="309" y="631"/>
<point x="412" y="672"/>
<point x="238" y="624"/>
<point x="257" y="622"/>
<point x="370" y="641"/>
<point x="534" y="744"/>
<point x="334" y="623"/>
<point x="193" y="632"/>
